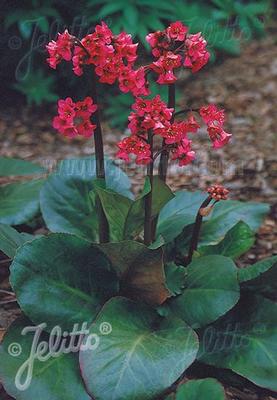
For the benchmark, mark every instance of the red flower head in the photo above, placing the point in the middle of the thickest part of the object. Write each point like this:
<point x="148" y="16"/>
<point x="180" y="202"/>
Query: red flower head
<point x="136" y="146"/>
<point x="214" y="118"/>
<point x="177" y="31"/>
<point x="211" y="114"/>
<point x="218" y="192"/>
<point x="60" y="50"/>
<point x="218" y="136"/>
<point x="165" y="66"/>
<point x="196" y="55"/>
<point x="74" y="118"/>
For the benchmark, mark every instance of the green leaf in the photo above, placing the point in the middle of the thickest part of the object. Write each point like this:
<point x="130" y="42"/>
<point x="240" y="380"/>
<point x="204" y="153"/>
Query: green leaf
<point x="161" y="195"/>
<point x="10" y="240"/>
<point x="65" y="199"/>
<point x="19" y="202"/>
<point x="175" y="278"/>
<point x="116" y="208"/>
<point x="237" y="241"/>
<point x="225" y="215"/>
<point x="178" y="213"/>
<point x="139" y="269"/>
<point x="211" y="290"/>
<point x="260" y="277"/>
<point x="198" y="390"/>
<point x="61" y="279"/>
<point x="245" y="341"/>
<point x="56" y="378"/>
<point x="132" y="362"/>
<point x="14" y="166"/>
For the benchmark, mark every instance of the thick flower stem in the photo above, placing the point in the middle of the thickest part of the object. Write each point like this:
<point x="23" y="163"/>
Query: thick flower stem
<point x="165" y="153"/>
<point x="103" y="226"/>
<point x="148" y="198"/>
<point x="196" y="230"/>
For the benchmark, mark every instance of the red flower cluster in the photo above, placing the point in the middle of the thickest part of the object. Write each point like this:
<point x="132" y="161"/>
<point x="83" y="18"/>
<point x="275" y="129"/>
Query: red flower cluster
<point x="149" y="115"/>
<point x="113" y="57"/>
<point x="214" y="118"/>
<point x="176" y="136"/>
<point x="74" y="118"/>
<point x="154" y="115"/>
<point x="137" y="146"/>
<point x="60" y="50"/>
<point x="174" y="47"/>
<point x="196" y="54"/>
<point x="218" y="192"/>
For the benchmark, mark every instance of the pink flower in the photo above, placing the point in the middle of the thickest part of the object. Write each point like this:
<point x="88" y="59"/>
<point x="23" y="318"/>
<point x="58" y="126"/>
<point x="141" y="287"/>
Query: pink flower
<point x="74" y="118"/>
<point x="218" y="136"/>
<point x="177" y="31"/>
<point x="196" y="55"/>
<point x="159" y="41"/>
<point x="61" y="49"/>
<point x="214" y="118"/>
<point x="183" y="153"/>
<point x="136" y="146"/>
<point x="165" y="66"/>
<point x="211" y="114"/>
<point x="85" y="108"/>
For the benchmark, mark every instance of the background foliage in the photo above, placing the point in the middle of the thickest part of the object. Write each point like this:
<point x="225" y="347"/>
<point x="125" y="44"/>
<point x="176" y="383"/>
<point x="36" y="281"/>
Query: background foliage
<point x="30" y="24"/>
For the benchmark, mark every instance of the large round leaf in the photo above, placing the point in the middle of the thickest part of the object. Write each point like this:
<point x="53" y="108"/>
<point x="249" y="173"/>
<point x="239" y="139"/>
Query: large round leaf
<point x="141" y="356"/>
<point x="211" y="289"/>
<point x="61" y="279"/>
<point x="245" y="341"/>
<point x="201" y="389"/>
<point x="53" y="379"/>
<point x="19" y="202"/>
<point x="65" y="201"/>
<point x="17" y="167"/>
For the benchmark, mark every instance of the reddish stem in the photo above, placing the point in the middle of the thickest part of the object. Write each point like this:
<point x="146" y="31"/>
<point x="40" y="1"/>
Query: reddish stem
<point x="148" y="197"/>
<point x="103" y="226"/>
<point x="165" y="153"/>
<point x="196" y="230"/>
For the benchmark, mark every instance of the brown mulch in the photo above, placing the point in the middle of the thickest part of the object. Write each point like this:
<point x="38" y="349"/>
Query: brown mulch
<point x="246" y="87"/>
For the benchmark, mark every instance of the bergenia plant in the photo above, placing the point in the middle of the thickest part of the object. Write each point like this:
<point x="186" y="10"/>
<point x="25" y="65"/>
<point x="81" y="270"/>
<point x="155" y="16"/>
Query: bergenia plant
<point x="126" y="294"/>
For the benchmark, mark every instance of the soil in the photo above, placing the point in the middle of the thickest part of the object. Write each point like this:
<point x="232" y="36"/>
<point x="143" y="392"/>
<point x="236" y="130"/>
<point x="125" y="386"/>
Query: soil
<point x="246" y="87"/>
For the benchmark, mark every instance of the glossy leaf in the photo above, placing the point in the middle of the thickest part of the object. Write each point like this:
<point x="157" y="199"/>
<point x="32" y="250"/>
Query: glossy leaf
<point x="132" y="361"/>
<point x="19" y="202"/>
<point x="17" y="167"/>
<point x="260" y="277"/>
<point x="211" y="289"/>
<point x="140" y="270"/>
<point x="56" y="378"/>
<point x="199" y="389"/>
<point x="61" y="279"/>
<point x="116" y="208"/>
<point x="245" y="341"/>
<point x="178" y="213"/>
<point x="10" y="239"/>
<point x="65" y="198"/>
<point x="225" y="215"/>
<point x="161" y="195"/>
<point x="237" y="241"/>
